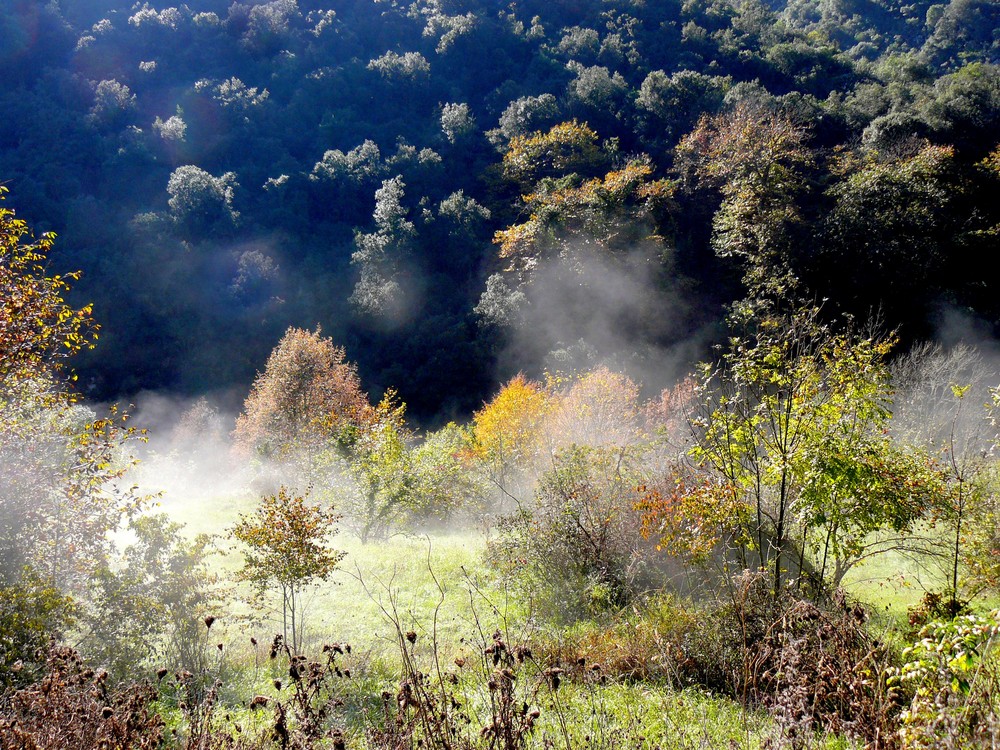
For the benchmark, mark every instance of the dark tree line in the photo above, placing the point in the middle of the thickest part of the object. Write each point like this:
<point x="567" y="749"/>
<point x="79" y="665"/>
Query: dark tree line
<point x="221" y="171"/>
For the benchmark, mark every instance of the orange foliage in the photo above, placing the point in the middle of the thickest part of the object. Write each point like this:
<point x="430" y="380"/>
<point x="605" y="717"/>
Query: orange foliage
<point x="307" y="390"/>
<point x="745" y="147"/>
<point x="689" y="515"/>
<point x="601" y="408"/>
<point x="669" y="414"/>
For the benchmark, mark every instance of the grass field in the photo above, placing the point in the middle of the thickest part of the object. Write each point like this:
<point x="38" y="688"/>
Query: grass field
<point x="439" y="587"/>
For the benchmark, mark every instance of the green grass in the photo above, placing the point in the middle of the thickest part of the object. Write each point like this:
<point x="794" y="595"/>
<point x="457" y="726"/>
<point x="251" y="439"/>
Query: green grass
<point x="411" y="575"/>
<point x="439" y="587"/>
<point x="892" y="583"/>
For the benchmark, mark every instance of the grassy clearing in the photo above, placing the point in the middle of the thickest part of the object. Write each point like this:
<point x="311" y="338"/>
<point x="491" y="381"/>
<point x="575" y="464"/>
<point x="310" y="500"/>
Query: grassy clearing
<point x="438" y="587"/>
<point x="892" y="583"/>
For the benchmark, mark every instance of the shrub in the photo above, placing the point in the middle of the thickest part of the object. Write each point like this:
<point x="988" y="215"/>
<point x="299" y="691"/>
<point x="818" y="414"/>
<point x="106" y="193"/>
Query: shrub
<point x="30" y="609"/>
<point x="579" y="546"/>
<point x="151" y="601"/>
<point x="73" y="706"/>
<point x="953" y="673"/>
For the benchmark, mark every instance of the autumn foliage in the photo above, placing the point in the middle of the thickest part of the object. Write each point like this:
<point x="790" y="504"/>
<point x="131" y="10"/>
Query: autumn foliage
<point x="38" y="329"/>
<point x="285" y="548"/>
<point x="506" y="432"/>
<point x="307" y="391"/>
<point x="614" y="211"/>
<point x="567" y="147"/>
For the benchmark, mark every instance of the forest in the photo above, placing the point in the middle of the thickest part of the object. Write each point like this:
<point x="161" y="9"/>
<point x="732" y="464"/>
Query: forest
<point x="434" y="373"/>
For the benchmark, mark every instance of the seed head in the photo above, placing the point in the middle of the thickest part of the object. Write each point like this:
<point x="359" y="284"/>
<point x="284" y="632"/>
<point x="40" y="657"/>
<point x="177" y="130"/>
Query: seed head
<point x="259" y="701"/>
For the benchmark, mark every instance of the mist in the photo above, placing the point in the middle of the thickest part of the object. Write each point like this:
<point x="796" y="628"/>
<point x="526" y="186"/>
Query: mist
<point x="590" y="307"/>
<point x="188" y="458"/>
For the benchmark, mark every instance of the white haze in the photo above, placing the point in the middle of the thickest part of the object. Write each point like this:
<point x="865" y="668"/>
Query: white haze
<point x="189" y="464"/>
<point x="926" y="409"/>
<point x="590" y="307"/>
<point x="188" y="457"/>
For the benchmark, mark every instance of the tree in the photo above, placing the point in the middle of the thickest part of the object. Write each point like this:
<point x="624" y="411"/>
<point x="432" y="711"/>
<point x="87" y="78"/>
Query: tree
<point x="507" y="436"/>
<point x="447" y="484"/>
<point x="151" y="602"/>
<point x="267" y="26"/>
<point x="600" y="408"/>
<point x="308" y="392"/>
<point x="566" y="148"/>
<point x="457" y="121"/>
<point x="756" y="158"/>
<point x="38" y="330"/>
<point x="410" y="67"/>
<point x="57" y="459"/>
<point x="941" y="393"/>
<point x="500" y="306"/>
<point x="788" y="440"/>
<point x="578" y="541"/>
<point x="599" y="94"/>
<point x="380" y="256"/>
<point x="895" y="225"/>
<point x="113" y="106"/>
<point x="671" y="104"/>
<point x="379" y="467"/>
<point x="61" y="486"/>
<point x="200" y="202"/>
<point x="285" y="546"/>
<point x="615" y="212"/>
<point x="524" y="116"/>
<point x="864" y="494"/>
<point x="60" y="466"/>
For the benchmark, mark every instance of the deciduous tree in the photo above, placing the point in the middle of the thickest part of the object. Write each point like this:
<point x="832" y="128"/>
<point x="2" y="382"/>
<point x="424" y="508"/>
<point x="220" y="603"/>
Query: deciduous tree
<point x="507" y="436"/>
<point x="756" y="157"/>
<point x="285" y="547"/>
<point x="38" y="329"/>
<point x="61" y="467"/>
<point x="308" y="392"/>
<point x="566" y="148"/>
<point x="380" y="469"/>
<point x="791" y="442"/>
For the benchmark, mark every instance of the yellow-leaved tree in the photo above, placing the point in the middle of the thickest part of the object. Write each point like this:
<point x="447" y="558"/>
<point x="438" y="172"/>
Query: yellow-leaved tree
<point x="507" y="437"/>
<point x="58" y="460"/>
<point x="38" y="329"/>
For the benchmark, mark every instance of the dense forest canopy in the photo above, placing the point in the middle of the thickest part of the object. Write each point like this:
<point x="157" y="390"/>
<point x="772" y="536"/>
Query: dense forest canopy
<point x="456" y="191"/>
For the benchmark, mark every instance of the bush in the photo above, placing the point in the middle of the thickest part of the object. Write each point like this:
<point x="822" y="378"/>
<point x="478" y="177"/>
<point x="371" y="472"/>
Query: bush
<point x="952" y="673"/>
<point x="579" y="548"/>
<point x="151" y="602"/>
<point x="73" y="706"/>
<point x="814" y="668"/>
<point x="30" y="609"/>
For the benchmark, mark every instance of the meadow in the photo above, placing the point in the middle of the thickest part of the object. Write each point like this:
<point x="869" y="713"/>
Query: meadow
<point x="438" y="587"/>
